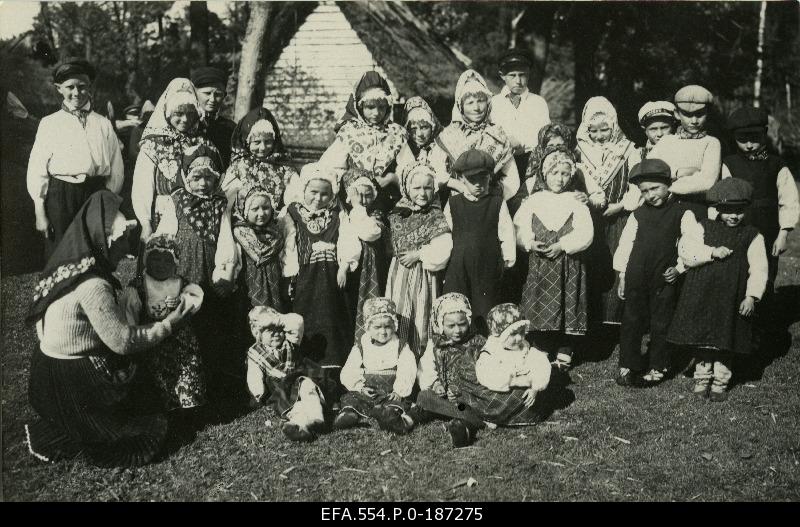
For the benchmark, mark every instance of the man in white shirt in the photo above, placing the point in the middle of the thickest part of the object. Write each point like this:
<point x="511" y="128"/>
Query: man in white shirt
<point x="76" y="152"/>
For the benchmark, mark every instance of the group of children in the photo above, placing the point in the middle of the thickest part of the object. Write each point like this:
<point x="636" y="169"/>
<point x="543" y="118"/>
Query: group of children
<point x="411" y="274"/>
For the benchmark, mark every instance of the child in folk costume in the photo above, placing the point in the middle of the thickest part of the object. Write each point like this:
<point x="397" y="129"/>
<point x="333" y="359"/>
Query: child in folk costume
<point x="556" y="229"/>
<point x="379" y="373"/>
<point x="657" y="120"/>
<point x="259" y="157"/>
<point x="367" y="139"/>
<point x="603" y="158"/>
<point x="171" y="130"/>
<point x="256" y="230"/>
<point x="472" y="128"/>
<point x="422" y="127"/>
<point x="273" y="359"/>
<point x="483" y="235"/>
<point x="421" y="243"/>
<point x="552" y="136"/>
<point x="175" y="364"/>
<point x="647" y="260"/>
<point x="727" y="275"/>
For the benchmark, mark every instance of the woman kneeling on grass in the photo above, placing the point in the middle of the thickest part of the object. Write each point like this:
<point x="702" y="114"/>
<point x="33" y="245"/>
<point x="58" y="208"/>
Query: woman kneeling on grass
<point x="81" y="376"/>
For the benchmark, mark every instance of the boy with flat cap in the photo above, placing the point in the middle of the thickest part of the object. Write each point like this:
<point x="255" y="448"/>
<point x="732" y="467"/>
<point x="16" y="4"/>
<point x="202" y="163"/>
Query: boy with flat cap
<point x="211" y="85"/>
<point x="648" y="266"/>
<point x="694" y="157"/>
<point x="657" y="119"/>
<point x="76" y="152"/>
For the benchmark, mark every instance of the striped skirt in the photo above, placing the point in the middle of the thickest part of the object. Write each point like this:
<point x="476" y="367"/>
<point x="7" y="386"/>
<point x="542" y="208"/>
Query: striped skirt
<point x="413" y="291"/>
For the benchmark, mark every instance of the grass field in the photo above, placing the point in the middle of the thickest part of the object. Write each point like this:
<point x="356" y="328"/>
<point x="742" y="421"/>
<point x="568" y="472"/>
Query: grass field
<point x="608" y="444"/>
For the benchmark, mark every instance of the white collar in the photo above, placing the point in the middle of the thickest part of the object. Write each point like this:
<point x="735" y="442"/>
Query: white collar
<point x="505" y="92"/>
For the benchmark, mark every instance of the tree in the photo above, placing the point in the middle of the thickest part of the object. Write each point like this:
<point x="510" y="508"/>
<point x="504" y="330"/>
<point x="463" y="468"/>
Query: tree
<point x="198" y="21"/>
<point x="250" y="62"/>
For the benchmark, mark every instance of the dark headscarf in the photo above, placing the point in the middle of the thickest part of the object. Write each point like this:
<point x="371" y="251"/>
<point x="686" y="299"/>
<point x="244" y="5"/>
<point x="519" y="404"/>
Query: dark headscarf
<point x="81" y="254"/>
<point x="546" y="133"/>
<point x="242" y="130"/>
<point x="370" y="80"/>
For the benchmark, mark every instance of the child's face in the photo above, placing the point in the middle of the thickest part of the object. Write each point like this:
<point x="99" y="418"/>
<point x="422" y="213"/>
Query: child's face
<point x="555" y="142"/>
<point x="381" y="330"/>
<point x="366" y="195"/>
<point x="516" y="340"/>
<point x="160" y="265"/>
<point x="75" y="91"/>
<point x="201" y="182"/>
<point x="474" y="107"/>
<point x="477" y="184"/>
<point x="374" y="111"/>
<point x="656" y="130"/>
<point x="558" y="177"/>
<point x="599" y="132"/>
<point x="731" y="216"/>
<point x="420" y="132"/>
<point x="272" y="337"/>
<point x="184" y="118"/>
<point x="455" y="326"/>
<point x="516" y="81"/>
<point x="655" y="193"/>
<point x="261" y="145"/>
<point x="750" y="142"/>
<point x="318" y="194"/>
<point x="259" y="211"/>
<point x="693" y="122"/>
<point x="420" y="190"/>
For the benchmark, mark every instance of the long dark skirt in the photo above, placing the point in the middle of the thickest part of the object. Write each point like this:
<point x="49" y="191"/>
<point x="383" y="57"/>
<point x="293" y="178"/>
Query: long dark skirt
<point x="604" y="305"/>
<point x="62" y="203"/>
<point x="85" y="405"/>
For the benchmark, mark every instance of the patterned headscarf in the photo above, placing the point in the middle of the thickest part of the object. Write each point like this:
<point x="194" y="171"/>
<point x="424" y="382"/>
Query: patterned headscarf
<point x="203" y="213"/>
<point x="553" y="157"/>
<point x="164" y="243"/>
<point x="546" y="133"/>
<point x="416" y="109"/>
<point x="380" y="307"/>
<point x="257" y="119"/>
<point x="601" y="161"/>
<point x="448" y="304"/>
<point x="413" y="226"/>
<point x="471" y="83"/>
<point x="270" y="242"/>
<point x="407" y="175"/>
<point x="503" y="319"/>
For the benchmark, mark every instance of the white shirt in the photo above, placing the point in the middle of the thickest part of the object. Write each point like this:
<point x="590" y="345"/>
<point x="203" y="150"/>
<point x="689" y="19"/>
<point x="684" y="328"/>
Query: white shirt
<point x="521" y="124"/>
<point x="505" y="233"/>
<point x="497" y="368"/>
<point x="374" y="358"/>
<point x="788" y="202"/>
<point x="553" y="210"/>
<point x="67" y="151"/>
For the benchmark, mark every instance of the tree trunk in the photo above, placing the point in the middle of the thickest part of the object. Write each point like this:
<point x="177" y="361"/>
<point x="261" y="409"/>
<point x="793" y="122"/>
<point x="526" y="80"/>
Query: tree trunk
<point x="762" y="19"/>
<point x="586" y="29"/>
<point x="198" y="21"/>
<point x="250" y="71"/>
<point x="539" y="42"/>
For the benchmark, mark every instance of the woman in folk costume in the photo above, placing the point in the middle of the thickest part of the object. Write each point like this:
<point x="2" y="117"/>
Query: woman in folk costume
<point x="81" y="375"/>
<point x="422" y="127"/>
<point x="171" y="130"/>
<point x="367" y="139"/>
<point x="76" y="152"/>
<point x="258" y="158"/>
<point x="471" y="127"/>
<point x="603" y="153"/>
<point x="421" y="242"/>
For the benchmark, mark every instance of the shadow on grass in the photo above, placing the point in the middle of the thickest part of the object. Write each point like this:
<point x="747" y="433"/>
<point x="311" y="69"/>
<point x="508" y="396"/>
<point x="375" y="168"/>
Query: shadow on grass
<point x="599" y="344"/>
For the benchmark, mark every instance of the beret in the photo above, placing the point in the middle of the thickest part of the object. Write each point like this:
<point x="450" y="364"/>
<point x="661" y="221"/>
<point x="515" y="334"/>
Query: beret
<point x="730" y="191"/>
<point x="656" y="109"/>
<point x="73" y="66"/>
<point x="650" y="169"/>
<point x="208" y="76"/>
<point x="515" y="58"/>
<point x="473" y="161"/>
<point x="747" y="119"/>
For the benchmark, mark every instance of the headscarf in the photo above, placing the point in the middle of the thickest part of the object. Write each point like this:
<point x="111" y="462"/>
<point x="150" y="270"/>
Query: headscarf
<point x="413" y="226"/>
<point x="471" y="83"/>
<point x="546" y="133"/>
<point x="203" y="213"/>
<point x="504" y="319"/>
<point x="601" y="161"/>
<point x="265" y="242"/>
<point x="416" y="109"/>
<point x="370" y="85"/>
<point x="316" y="220"/>
<point x="162" y="242"/>
<point x="447" y="304"/>
<point x="355" y="177"/>
<point x="407" y="175"/>
<point x="380" y="307"/>
<point x="200" y="157"/>
<point x="553" y="157"/>
<point x="81" y="254"/>
<point x="255" y="119"/>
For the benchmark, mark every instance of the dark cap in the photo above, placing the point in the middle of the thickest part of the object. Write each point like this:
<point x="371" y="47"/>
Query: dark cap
<point x="650" y="170"/>
<point x="515" y="59"/>
<point x="731" y="192"/>
<point x="472" y="162"/>
<point x="133" y="108"/>
<point x="748" y="119"/>
<point x="209" y="76"/>
<point x="71" y="67"/>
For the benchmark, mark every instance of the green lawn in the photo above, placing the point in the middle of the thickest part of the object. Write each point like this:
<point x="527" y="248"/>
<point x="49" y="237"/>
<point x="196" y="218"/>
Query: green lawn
<point x="609" y="444"/>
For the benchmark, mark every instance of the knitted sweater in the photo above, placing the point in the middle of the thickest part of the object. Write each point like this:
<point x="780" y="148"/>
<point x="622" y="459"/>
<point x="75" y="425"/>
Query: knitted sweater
<point x="87" y="319"/>
<point x="704" y="154"/>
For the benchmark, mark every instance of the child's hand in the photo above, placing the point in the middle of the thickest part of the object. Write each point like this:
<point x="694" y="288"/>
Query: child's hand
<point x="172" y="302"/>
<point x="720" y="253"/>
<point x="614" y="208"/>
<point x="341" y="277"/>
<point x="538" y="247"/>
<point x="453" y="393"/>
<point x="508" y="264"/>
<point x="554" y="251"/>
<point x="393" y="398"/>
<point x="409" y="258"/>
<point x="598" y="200"/>
<point x="529" y="397"/>
<point x="180" y="314"/>
<point x="438" y="389"/>
<point x="670" y="275"/>
<point x="747" y="306"/>
<point x="147" y="231"/>
<point x="621" y="286"/>
<point x="583" y="197"/>
<point x="779" y="247"/>
<point x="369" y="392"/>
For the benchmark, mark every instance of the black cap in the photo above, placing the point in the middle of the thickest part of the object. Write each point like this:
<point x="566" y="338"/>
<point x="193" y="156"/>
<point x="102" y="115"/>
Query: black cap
<point x="133" y="108"/>
<point x="730" y="192"/>
<point x="209" y="76"/>
<point x="472" y="162"/>
<point x="73" y="66"/>
<point x="650" y="170"/>
<point x="747" y="119"/>
<point x="515" y="59"/>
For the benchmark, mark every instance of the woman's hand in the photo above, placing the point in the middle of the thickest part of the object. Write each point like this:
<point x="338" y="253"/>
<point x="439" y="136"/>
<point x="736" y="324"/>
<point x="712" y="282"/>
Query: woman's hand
<point x="779" y="247"/>
<point x="341" y="277"/>
<point x="554" y="251"/>
<point x="598" y="200"/>
<point x="529" y="397"/>
<point x="409" y="258"/>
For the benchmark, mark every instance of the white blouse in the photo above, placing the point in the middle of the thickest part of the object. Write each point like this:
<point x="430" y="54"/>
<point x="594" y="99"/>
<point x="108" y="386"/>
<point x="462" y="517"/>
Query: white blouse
<point x="374" y="358"/>
<point x="497" y="368"/>
<point x="553" y="210"/>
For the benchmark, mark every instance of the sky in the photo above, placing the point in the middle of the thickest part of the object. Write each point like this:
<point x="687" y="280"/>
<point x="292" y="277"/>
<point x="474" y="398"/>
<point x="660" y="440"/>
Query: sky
<point x="16" y="16"/>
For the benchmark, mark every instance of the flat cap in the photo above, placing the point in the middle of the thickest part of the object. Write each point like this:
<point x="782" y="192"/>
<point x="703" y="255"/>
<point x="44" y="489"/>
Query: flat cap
<point x="653" y="110"/>
<point x="73" y="66"/>
<point x="650" y="169"/>
<point x="515" y="59"/>
<point x="693" y="97"/>
<point x="748" y="119"/>
<point x="208" y="76"/>
<point x="473" y="161"/>
<point x="730" y="191"/>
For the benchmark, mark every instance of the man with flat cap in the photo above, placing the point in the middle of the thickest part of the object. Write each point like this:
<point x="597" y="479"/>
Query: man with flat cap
<point x="76" y="152"/>
<point x="211" y="85"/>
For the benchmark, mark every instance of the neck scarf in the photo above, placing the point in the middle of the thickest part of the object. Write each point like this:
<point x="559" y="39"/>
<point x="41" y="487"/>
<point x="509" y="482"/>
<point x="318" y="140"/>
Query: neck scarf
<point x="602" y="161"/>
<point x="761" y="155"/>
<point x="81" y="113"/>
<point x="413" y="226"/>
<point x="81" y="254"/>
<point x="683" y="134"/>
<point x="266" y="242"/>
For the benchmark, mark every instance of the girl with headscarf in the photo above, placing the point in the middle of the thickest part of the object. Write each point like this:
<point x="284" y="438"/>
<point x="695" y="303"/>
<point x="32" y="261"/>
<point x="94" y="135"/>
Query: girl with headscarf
<point x="171" y="130"/>
<point x="366" y="137"/>
<point x="422" y="127"/>
<point x="81" y="376"/>
<point x="556" y="229"/>
<point x="259" y="158"/>
<point x="604" y="154"/>
<point x="421" y="243"/>
<point x="471" y="127"/>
